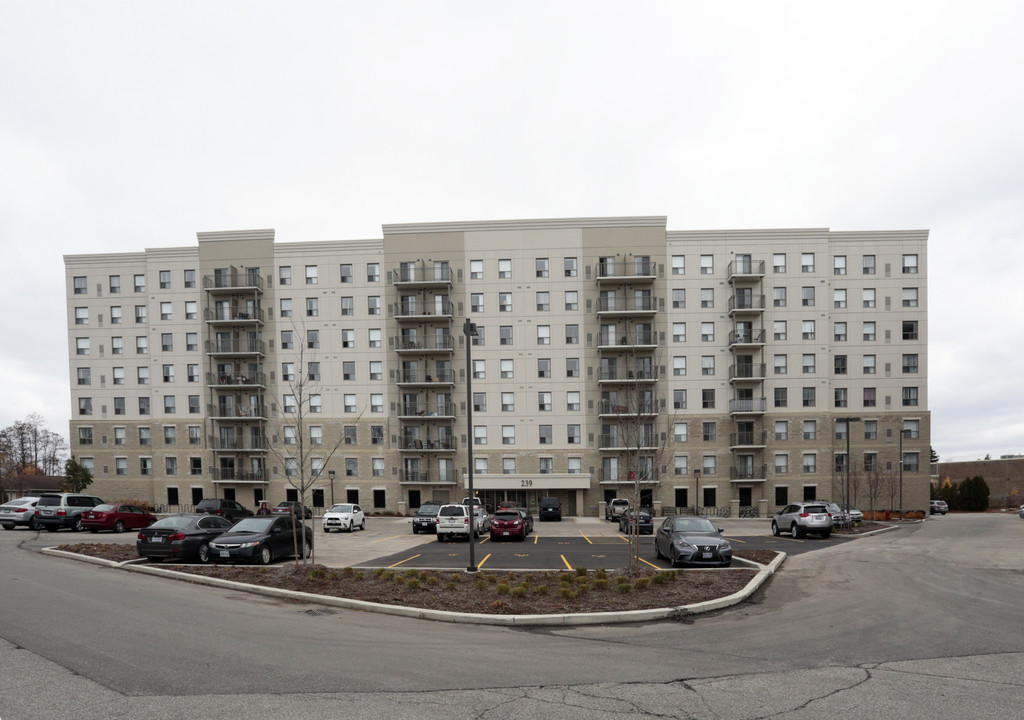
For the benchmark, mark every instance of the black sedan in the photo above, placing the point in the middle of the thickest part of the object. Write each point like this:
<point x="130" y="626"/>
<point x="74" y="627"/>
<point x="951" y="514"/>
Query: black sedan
<point x="628" y="522"/>
<point x="292" y="506"/>
<point x="261" y="539"/>
<point x="180" y="537"/>
<point x="692" y="541"/>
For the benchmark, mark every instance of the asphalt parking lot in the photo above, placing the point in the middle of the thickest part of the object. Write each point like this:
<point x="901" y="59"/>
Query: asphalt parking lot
<point x="571" y="543"/>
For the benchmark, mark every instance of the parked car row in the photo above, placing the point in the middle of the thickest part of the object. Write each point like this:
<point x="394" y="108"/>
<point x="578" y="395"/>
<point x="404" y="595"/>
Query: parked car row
<point x="451" y="521"/>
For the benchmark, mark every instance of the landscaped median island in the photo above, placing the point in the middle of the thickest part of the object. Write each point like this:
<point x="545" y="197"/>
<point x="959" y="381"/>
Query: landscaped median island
<point x="486" y="592"/>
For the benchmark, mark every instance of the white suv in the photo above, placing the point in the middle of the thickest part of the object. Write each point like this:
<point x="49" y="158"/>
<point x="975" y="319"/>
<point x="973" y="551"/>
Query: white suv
<point x="452" y="522"/>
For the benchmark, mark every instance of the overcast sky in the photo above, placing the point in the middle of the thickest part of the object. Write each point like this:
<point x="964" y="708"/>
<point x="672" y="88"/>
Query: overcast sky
<point x="126" y="125"/>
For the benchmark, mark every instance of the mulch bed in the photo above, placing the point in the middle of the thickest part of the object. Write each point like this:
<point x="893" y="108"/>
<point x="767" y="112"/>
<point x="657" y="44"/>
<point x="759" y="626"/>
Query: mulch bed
<point x="490" y="592"/>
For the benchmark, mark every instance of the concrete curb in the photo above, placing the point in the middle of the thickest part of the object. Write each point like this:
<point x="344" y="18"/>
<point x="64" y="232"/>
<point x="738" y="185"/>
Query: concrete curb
<point x="564" y="619"/>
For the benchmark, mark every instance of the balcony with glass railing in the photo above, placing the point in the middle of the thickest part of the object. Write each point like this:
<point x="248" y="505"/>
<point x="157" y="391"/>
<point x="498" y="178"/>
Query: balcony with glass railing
<point x="237" y="476"/>
<point x="234" y="281"/>
<point x="748" y="406"/>
<point x="757" y="472"/>
<point x="422" y="275"/>
<point x="633" y="270"/>
<point x="748" y="439"/>
<point x="745" y="270"/>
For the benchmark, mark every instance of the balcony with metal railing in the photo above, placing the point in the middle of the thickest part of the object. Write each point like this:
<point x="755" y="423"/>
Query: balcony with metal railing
<point x="237" y="476"/>
<point x="748" y="406"/>
<point x="426" y="411"/>
<point x="234" y="281"/>
<point x="745" y="270"/>
<point x="426" y="377"/>
<point x="421" y="275"/>
<point x="625" y="477"/>
<point x="430" y="344"/>
<point x="757" y="472"/>
<point x="746" y="338"/>
<point x="616" y="270"/>
<point x="748" y="439"/>
<point x="626" y="306"/>
<point x="233" y="315"/>
<point x="616" y="443"/>
<point x="232" y="381"/>
<point x="619" y="375"/>
<point x="627" y="409"/>
<point x="240" y="443"/>
<point x="435" y="311"/>
<point x="626" y="342"/>
<point x="747" y="372"/>
<point x="428" y="444"/>
<point x="427" y="477"/>
<point x="742" y="304"/>
<point x="241" y="346"/>
<point x="227" y="409"/>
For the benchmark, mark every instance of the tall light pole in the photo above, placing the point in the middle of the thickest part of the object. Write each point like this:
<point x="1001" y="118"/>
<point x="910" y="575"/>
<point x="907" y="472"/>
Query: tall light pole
<point x="330" y="474"/>
<point x="849" y="498"/>
<point x="696" y="491"/>
<point x="901" y="474"/>
<point x="469" y="330"/>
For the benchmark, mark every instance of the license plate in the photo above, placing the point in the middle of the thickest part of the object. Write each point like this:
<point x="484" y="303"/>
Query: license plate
<point x="706" y="556"/>
<point x="225" y="553"/>
<point x="505" y="533"/>
<point x="8" y="510"/>
<point x="156" y="539"/>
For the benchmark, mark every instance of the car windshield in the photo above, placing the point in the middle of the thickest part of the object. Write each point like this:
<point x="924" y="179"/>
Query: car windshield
<point x="253" y="525"/>
<point x="453" y="510"/>
<point x="428" y="509"/>
<point x="340" y="508"/>
<point x="507" y="516"/>
<point x="693" y="525"/>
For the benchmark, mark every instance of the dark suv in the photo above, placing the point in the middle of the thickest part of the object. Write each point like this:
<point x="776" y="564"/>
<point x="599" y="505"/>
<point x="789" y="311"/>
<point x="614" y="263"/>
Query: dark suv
<point x="425" y="518"/>
<point x="550" y="509"/>
<point x="64" y="510"/>
<point x="230" y="509"/>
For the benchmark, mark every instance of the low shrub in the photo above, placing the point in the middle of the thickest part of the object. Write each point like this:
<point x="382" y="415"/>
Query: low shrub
<point x="520" y="591"/>
<point x="541" y="590"/>
<point x="567" y="592"/>
<point x="413" y="583"/>
<point x="503" y="588"/>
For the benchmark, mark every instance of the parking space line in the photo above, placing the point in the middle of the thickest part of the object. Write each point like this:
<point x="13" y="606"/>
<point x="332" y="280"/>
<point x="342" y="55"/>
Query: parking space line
<point x="387" y="538"/>
<point x="585" y="537"/>
<point x="649" y="563"/>
<point x="404" y="561"/>
<point x="732" y="539"/>
<point x="565" y="561"/>
<point x="481" y="563"/>
<point x="485" y="539"/>
<point x="535" y="539"/>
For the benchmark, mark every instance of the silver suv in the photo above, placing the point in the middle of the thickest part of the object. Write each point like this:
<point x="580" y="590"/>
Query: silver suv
<point x="64" y="510"/>
<point x="801" y="518"/>
<point x="452" y="521"/>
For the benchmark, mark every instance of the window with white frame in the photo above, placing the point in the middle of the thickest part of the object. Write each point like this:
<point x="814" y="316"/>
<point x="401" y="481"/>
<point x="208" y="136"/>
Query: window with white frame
<point x="573" y="434"/>
<point x="375" y="337"/>
<point x="681" y="465"/>
<point x="779" y="262"/>
<point x="781" y="463"/>
<point x="345" y="273"/>
<point x="543" y="334"/>
<point x="678" y="265"/>
<point x="546" y="434"/>
<point x="166" y="311"/>
<point x="808" y="362"/>
<point x="571" y="267"/>
<point x="707" y="297"/>
<point x="678" y="298"/>
<point x="782" y="429"/>
<point x="505" y="334"/>
<point x="542" y="267"/>
<point x="348" y="338"/>
<point x="869" y="297"/>
<point x="809" y="396"/>
<point x="572" y="367"/>
<point x="910" y="297"/>
<point x="572" y="400"/>
<point x="350" y="402"/>
<point x="572" y="334"/>
<point x="679" y="332"/>
<point x="476" y="269"/>
<point x="544" y="401"/>
<point x="869" y="331"/>
<point x="807" y="262"/>
<point x="779" y="329"/>
<point x="807" y="329"/>
<point x="679" y="399"/>
<point x="710" y="465"/>
<point x="779" y="297"/>
<point x="479" y="370"/>
<point x="572" y="300"/>
<point x="910" y="264"/>
<point x="508" y="434"/>
<point x="839" y="265"/>
<point x="312" y="339"/>
<point x="839" y="298"/>
<point x="679" y="433"/>
<point x="707" y="265"/>
<point x="839" y="332"/>
<point x="543" y="301"/>
<point x="479" y="434"/>
<point x="140" y="283"/>
<point x="505" y="269"/>
<point x="810" y="462"/>
<point x="316" y="435"/>
<point x="869" y="366"/>
<point x="508" y="402"/>
<point x="574" y="465"/>
<point x="504" y="302"/>
<point x="780" y="364"/>
<point x="707" y="365"/>
<point x="807" y="296"/>
<point x="312" y="275"/>
<point x="508" y="466"/>
<point x="868" y="265"/>
<point x="376" y="402"/>
<point x="507" y="369"/>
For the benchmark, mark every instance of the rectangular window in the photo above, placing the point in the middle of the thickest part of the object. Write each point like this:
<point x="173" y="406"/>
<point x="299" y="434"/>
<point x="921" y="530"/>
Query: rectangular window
<point x="142" y="375"/>
<point x="840" y="397"/>
<point x="779" y="297"/>
<point x="316" y="404"/>
<point x="808" y="362"/>
<point x="779" y="262"/>
<point x="190" y="278"/>
<point x="707" y="297"/>
<point x="839" y="332"/>
<point x="707" y="265"/>
<point x="707" y="398"/>
<point x="781" y="463"/>
<point x="373" y="272"/>
<point x="313" y="274"/>
<point x="169" y="407"/>
<point x="869" y="365"/>
<point x="572" y="367"/>
<point x="571" y="267"/>
<point x="508" y="402"/>
<point x="140" y="314"/>
<point x="312" y="339"/>
<point x="808" y="329"/>
<point x="781" y="364"/>
<point x="119" y="376"/>
<point x="807" y="262"/>
<point x="810" y="462"/>
<point x="479" y="434"/>
<point x="191" y="310"/>
<point x="193" y="405"/>
<point x="572" y="400"/>
<point x="167" y="342"/>
<point x="165" y="279"/>
<point x="373" y="305"/>
<point x="543" y="301"/>
<point x="810" y="429"/>
<point x="544" y="401"/>
<point x="345" y="273"/>
<point x="84" y="376"/>
<point x="678" y="298"/>
<point x="284" y="275"/>
<point x="679" y="365"/>
<point x="375" y="337"/>
<point x="505" y="269"/>
<point x="910" y="397"/>
<point x="870" y="429"/>
<point x="910" y="264"/>
<point x="868" y="265"/>
<point x="707" y="365"/>
<point x="115" y="315"/>
<point x="869" y="331"/>
<point x="168" y="372"/>
<point x="869" y="397"/>
<point x="82" y="316"/>
<point x="141" y="345"/>
<point x="348" y="370"/>
<point x="679" y="332"/>
<point x="347" y="306"/>
<point x="709" y="431"/>
<point x="508" y="466"/>
<point x="543" y="367"/>
<point x="115" y="284"/>
<point x="910" y="363"/>
<point x="376" y="403"/>
<point x="572" y="300"/>
<point x="543" y="334"/>
<point x="508" y="434"/>
<point x="286" y="307"/>
<point x="350" y="402"/>
<point x="479" y="370"/>
<point x="479" y="402"/>
<point x="782" y="430"/>
<point x="145" y="466"/>
<point x="808" y="396"/>
<point x="507" y="369"/>
<point x="839" y="298"/>
<point x="679" y="432"/>
<point x="476" y="269"/>
<point x="140" y="283"/>
<point x="542" y="267"/>
<point x="545" y="435"/>
<point x="910" y="297"/>
<point x="839" y="365"/>
<point x="195" y="436"/>
<point x="807" y="296"/>
<point x="779" y="329"/>
<point x="572" y="334"/>
<point x="505" y="335"/>
<point x="839" y="265"/>
<point x="504" y="302"/>
<point x="679" y="399"/>
<point x="910" y="329"/>
<point x="573" y="435"/>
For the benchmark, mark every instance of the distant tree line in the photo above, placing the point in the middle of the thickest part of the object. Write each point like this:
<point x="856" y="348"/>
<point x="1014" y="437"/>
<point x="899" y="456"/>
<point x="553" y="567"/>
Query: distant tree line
<point x="971" y="495"/>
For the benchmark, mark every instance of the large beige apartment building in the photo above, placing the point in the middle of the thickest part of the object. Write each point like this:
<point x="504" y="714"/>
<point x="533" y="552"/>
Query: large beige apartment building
<point x="726" y="370"/>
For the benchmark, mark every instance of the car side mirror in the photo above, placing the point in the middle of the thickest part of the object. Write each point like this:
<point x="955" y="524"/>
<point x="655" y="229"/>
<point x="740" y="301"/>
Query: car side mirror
<point x="721" y="530"/>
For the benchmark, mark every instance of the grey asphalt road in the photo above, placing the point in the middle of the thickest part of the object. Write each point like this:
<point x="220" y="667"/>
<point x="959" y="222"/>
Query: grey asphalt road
<point x="922" y="622"/>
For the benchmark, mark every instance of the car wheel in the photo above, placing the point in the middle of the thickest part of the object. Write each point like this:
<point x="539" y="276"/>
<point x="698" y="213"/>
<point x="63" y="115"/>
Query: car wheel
<point x="795" y="531"/>
<point x="415" y="530"/>
<point x="8" y="526"/>
<point x="119" y="526"/>
<point x="657" y="551"/>
<point x="775" y="528"/>
<point x="673" y="558"/>
<point x="826" y="535"/>
<point x="326" y="530"/>
<point x="266" y="555"/>
<point x="33" y="524"/>
<point x="309" y="550"/>
<point x="203" y="553"/>
<point x="350" y="527"/>
<point x="78" y="526"/>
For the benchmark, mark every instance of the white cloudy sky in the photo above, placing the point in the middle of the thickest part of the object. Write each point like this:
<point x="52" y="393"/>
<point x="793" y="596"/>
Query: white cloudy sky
<point x="128" y="124"/>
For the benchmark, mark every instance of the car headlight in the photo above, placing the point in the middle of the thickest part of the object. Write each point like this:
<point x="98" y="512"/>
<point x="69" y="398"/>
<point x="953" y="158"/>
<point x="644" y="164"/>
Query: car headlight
<point x="725" y="546"/>
<point x="249" y="544"/>
<point x="682" y="544"/>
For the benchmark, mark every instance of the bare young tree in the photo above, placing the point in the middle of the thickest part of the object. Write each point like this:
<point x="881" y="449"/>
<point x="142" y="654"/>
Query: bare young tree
<point x="303" y="461"/>
<point x="875" y="482"/>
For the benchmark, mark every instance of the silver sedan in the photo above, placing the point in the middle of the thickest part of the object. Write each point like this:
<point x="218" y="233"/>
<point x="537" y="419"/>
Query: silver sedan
<point x="692" y="541"/>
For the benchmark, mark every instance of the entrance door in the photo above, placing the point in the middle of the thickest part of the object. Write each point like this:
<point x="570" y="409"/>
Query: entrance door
<point x="746" y="497"/>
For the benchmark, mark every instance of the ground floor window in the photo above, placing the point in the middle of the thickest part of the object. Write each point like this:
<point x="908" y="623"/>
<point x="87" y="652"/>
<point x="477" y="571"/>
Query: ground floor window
<point x="781" y="495"/>
<point x="379" y="499"/>
<point x="172" y="496"/>
<point x="352" y="495"/>
<point x="682" y="499"/>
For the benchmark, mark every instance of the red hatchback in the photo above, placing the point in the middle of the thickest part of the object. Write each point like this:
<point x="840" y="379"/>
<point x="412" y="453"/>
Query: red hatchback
<point x="117" y="517"/>
<point x="509" y="524"/>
